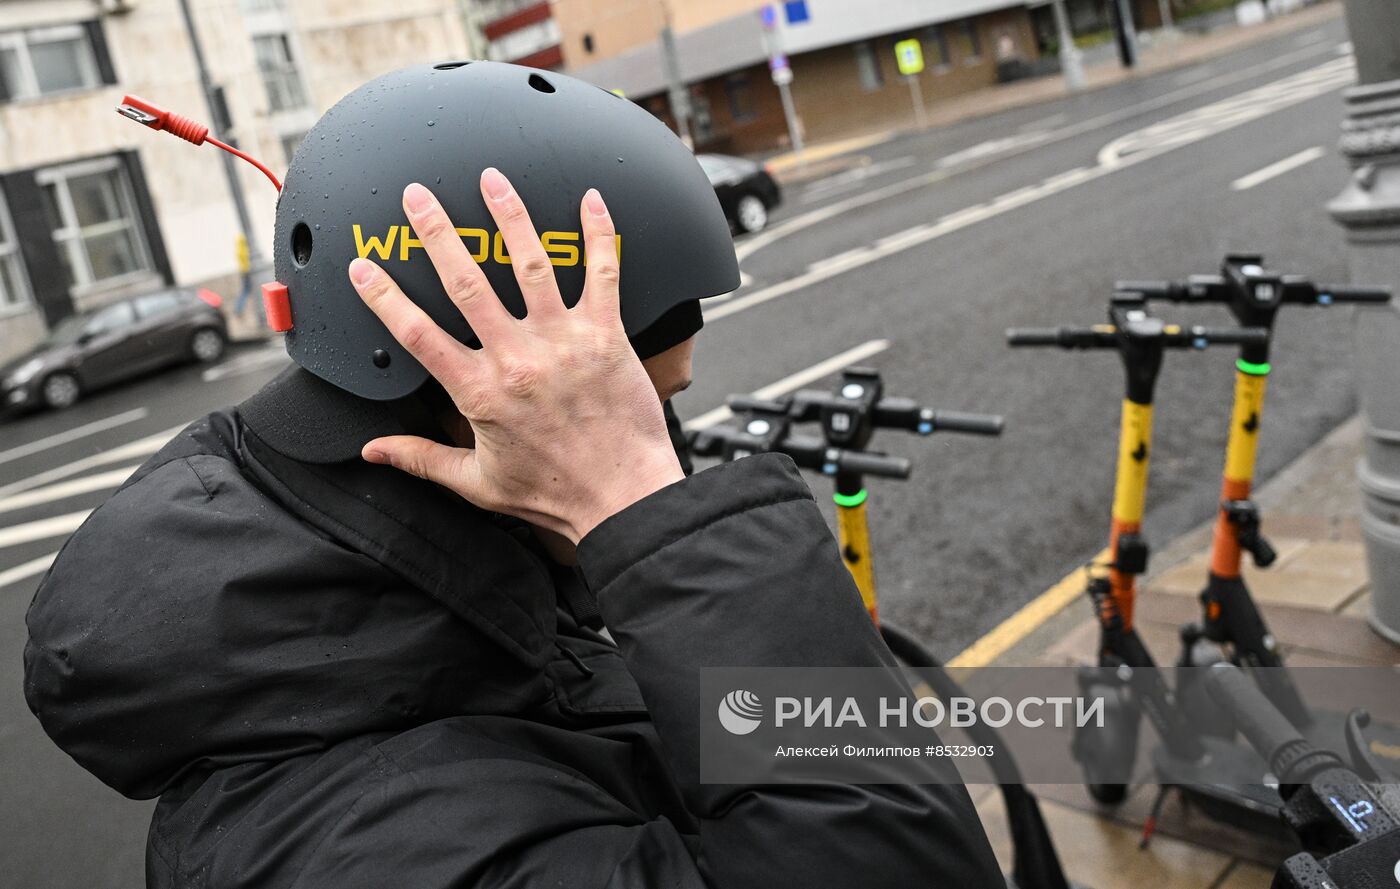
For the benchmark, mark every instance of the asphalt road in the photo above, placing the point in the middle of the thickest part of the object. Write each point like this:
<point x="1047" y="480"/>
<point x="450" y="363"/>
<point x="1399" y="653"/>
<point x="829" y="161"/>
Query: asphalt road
<point x="916" y="262"/>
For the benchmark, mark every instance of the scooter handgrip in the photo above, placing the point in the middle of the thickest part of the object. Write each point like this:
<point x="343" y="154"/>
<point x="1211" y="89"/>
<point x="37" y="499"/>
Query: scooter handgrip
<point x="880" y="465"/>
<point x="1261" y="723"/>
<point x="1152" y="289"/>
<point x="740" y="404"/>
<point x="972" y="424"/>
<point x="1327" y="293"/>
<point x="1230" y="336"/>
<point x="1033" y="336"/>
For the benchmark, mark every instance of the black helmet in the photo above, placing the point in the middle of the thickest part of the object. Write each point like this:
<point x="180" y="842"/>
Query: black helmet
<point x="554" y="137"/>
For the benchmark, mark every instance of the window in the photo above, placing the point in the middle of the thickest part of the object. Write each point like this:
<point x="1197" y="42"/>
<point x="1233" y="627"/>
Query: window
<point x="736" y="90"/>
<point x="279" y="72"/>
<point x="151" y="305"/>
<point x="109" y="318"/>
<point x="290" y="143"/>
<point x="969" y="41"/>
<point x="868" y="66"/>
<point x="588" y="43"/>
<point x="14" y="285"/>
<point x="93" y="215"/>
<point x="44" y="61"/>
<point x="936" y="48"/>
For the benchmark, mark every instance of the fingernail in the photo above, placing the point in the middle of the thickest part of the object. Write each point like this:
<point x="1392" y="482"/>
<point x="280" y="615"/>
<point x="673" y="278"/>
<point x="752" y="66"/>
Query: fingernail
<point x="594" y="202"/>
<point x="374" y="455"/>
<point x="496" y="185"/>
<point x="417" y="198"/>
<point x="361" y="271"/>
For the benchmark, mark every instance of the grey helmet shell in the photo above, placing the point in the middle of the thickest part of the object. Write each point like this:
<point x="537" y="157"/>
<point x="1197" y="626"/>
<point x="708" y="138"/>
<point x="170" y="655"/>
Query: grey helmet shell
<point x="554" y="136"/>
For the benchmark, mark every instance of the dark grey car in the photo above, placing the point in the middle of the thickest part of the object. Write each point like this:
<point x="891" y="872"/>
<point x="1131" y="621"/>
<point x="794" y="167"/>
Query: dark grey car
<point x="106" y="345"/>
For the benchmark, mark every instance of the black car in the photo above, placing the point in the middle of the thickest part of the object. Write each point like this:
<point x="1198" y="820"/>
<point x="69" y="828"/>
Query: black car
<point x="112" y="343"/>
<point x="745" y="189"/>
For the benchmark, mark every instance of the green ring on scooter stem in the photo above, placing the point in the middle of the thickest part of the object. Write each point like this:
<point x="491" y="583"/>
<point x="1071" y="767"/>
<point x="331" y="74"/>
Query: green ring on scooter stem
<point x="851" y="500"/>
<point x="1255" y="370"/>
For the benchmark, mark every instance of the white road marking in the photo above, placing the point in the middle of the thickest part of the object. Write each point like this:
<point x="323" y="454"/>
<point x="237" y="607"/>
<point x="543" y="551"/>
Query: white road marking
<point x="1274" y="170"/>
<point x="990" y="147"/>
<point x="796" y="381"/>
<point x="99" y="482"/>
<point x="832" y="264"/>
<point x="43" y="529"/>
<point x="1200" y="123"/>
<point x="1134" y="148"/>
<point x="246" y="363"/>
<point x="814" y="217"/>
<point x="1044" y="123"/>
<point x="824" y="188"/>
<point x="77" y="432"/>
<point x="26" y="569"/>
<point x="140" y="448"/>
<point x="1344" y="48"/>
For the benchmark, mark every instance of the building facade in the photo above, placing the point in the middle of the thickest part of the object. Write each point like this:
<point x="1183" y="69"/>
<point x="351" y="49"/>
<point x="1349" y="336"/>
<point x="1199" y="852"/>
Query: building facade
<point x="524" y="32"/>
<point x="841" y="53"/>
<point x="94" y="207"/>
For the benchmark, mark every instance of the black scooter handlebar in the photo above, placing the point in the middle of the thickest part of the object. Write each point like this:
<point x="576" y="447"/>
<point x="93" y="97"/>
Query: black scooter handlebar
<point x="889" y="413"/>
<point x="1215" y="289"/>
<point x="1105" y="336"/>
<point x="1261" y="723"/>
<point x="808" y="452"/>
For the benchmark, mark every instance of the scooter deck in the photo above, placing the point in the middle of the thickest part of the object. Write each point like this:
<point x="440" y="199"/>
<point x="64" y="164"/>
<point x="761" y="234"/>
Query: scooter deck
<point x="1249" y="799"/>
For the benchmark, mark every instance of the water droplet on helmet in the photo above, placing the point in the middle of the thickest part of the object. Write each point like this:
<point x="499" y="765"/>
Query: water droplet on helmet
<point x="619" y="160"/>
<point x="374" y="191"/>
<point x="431" y="122"/>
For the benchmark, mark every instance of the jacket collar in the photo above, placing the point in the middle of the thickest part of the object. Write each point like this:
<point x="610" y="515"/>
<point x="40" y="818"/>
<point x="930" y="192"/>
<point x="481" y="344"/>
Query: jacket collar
<point x="480" y="566"/>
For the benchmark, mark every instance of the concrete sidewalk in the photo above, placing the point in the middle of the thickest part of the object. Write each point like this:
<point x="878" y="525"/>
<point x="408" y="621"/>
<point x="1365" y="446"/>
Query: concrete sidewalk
<point x="1159" y="52"/>
<point x="1314" y="598"/>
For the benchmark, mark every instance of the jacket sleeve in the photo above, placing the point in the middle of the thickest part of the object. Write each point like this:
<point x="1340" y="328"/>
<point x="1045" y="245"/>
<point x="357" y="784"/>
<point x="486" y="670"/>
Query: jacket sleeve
<point x="736" y="567"/>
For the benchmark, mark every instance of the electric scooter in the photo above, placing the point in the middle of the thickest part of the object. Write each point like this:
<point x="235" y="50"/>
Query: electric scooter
<point x="1229" y="615"/>
<point x="849" y="418"/>
<point x="1347" y="819"/>
<point x="1126" y="678"/>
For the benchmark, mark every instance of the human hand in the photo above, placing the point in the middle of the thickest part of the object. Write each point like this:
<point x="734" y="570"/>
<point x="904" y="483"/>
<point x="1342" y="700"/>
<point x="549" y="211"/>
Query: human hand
<point x="569" y="429"/>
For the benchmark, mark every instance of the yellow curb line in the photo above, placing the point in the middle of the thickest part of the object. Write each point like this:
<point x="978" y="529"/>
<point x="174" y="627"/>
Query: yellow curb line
<point x="1026" y="619"/>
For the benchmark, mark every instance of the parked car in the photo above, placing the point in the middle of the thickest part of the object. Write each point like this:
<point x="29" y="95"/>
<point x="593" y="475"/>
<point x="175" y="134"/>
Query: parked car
<point x="746" y="190"/>
<point x="117" y="341"/>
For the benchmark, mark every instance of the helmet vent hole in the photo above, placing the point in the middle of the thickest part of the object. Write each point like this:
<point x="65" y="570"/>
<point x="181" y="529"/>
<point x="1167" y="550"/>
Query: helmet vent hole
<point x="541" y="84"/>
<point x="301" y="245"/>
<point x="449" y="66"/>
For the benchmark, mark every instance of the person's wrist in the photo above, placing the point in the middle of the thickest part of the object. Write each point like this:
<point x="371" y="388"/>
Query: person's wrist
<point x="637" y="482"/>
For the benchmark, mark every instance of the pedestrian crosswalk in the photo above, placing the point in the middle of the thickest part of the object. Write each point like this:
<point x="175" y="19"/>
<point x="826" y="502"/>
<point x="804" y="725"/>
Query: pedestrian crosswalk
<point x="38" y="511"/>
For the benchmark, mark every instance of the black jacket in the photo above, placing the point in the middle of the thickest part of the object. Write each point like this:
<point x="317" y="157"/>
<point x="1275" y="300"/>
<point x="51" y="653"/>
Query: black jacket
<point x="334" y="675"/>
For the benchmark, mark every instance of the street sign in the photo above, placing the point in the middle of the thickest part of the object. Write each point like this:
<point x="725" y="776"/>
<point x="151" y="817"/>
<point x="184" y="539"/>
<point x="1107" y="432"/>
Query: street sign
<point x="796" y="11"/>
<point x="782" y="76"/>
<point x="910" y="56"/>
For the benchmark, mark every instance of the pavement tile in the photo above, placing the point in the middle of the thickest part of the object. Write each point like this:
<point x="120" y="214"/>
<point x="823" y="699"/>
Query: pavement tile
<point x="1359" y="606"/>
<point x="1247" y="876"/>
<point x="1102" y="854"/>
<point x="1304" y="589"/>
<point x="1342" y="559"/>
<point x="1187" y="578"/>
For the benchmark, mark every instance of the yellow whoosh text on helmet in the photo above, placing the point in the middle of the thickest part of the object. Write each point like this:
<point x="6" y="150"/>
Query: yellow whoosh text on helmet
<point x="562" y="247"/>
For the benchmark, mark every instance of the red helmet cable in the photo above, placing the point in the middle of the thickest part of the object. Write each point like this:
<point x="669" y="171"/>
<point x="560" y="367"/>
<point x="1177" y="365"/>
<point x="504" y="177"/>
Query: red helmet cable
<point x="146" y="114"/>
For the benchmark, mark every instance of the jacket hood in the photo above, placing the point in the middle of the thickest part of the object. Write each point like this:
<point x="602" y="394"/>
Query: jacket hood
<point x="230" y="604"/>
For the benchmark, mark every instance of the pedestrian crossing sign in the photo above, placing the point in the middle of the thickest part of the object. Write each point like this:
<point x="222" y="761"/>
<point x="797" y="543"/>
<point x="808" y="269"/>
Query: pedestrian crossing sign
<point x="910" y="56"/>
